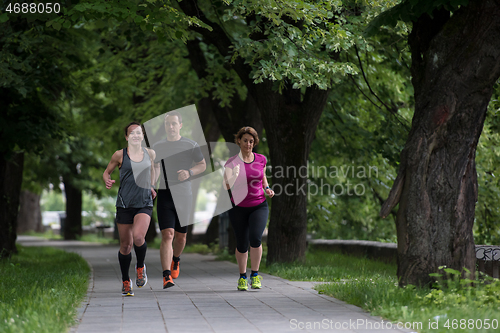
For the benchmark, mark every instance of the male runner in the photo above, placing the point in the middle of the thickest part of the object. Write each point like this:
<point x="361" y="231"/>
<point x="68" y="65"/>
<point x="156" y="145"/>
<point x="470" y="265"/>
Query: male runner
<point x="177" y="159"/>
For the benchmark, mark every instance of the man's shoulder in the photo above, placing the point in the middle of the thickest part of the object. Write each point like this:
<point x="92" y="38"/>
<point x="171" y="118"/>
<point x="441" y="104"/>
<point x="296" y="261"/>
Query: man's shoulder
<point x="189" y="142"/>
<point x="159" y="144"/>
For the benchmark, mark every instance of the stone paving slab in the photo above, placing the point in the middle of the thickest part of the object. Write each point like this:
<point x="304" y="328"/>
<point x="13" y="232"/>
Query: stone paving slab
<point x="204" y="299"/>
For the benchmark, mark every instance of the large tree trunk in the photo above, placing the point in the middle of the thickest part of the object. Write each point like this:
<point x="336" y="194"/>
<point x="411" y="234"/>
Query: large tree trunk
<point x="73" y="223"/>
<point x="11" y="177"/>
<point x="290" y="121"/>
<point x="30" y="214"/>
<point x="455" y="63"/>
<point x="216" y="120"/>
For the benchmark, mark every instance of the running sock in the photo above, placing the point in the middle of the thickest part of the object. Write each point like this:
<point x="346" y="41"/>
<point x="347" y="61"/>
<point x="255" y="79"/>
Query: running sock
<point x="176" y="259"/>
<point x="254" y="273"/>
<point x="243" y="275"/>
<point x="167" y="272"/>
<point x="140" y="253"/>
<point x="124" y="260"/>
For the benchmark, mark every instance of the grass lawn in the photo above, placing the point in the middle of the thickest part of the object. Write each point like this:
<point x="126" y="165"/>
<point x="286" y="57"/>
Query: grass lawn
<point x="452" y="306"/>
<point x="92" y="238"/>
<point x="40" y="288"/>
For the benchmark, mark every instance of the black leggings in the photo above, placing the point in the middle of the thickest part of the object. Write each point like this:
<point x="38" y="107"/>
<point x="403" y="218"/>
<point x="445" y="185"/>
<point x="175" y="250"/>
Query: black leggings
<point x="248" y="224"/>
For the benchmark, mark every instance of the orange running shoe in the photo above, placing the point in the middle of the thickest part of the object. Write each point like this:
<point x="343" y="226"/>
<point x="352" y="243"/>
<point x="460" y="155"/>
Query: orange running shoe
<point x="168" y="282"/>
<point x="127" y="288"/>
<point x="175" y="269"/>
<point x="142" y="277"/>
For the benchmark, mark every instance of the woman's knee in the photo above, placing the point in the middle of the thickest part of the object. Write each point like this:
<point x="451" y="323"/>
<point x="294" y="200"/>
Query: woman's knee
<point x="255" y="242"/>
<point x="242" y="247"/>
<point x="238" y="252"/>
<point x="125" y="248"/>
<point x="255" y="238"/>
<point x="139" y="240"/>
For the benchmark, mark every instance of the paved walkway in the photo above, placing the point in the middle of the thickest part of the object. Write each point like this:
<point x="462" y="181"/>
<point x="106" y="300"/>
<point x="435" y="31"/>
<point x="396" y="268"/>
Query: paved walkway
<point x="204" y="299"/>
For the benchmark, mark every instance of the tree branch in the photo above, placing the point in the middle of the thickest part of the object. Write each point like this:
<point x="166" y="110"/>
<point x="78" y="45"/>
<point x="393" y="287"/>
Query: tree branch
<point x="379" y="198"/>
<point x="216" y="37"/>
<point x="394" y="195"/>
<point x="368" y="83"/>
<point x="375" y="104"/>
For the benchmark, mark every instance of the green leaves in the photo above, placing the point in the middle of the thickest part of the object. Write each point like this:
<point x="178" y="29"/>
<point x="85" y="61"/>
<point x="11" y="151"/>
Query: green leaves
<point x="357" y="130"/>
<point x="409" y="11"/>
<point x="298" y="40"/>
<point x="56" y="25"/>
<point x="4" y="18"/>
<point x="486" y="229"/>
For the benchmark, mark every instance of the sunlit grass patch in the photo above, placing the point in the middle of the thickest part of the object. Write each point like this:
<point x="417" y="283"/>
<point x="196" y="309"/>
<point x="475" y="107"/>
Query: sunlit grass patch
<point x="454" y="304"/>
<point x="40" y="290"/>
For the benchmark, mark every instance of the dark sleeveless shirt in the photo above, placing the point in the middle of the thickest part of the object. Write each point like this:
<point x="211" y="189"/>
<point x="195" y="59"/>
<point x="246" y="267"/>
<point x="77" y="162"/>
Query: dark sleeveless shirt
<point x="135" y="182"/>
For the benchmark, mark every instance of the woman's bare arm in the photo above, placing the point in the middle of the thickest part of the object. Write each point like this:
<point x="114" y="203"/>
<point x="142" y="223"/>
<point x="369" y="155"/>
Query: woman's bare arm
<point x="230" y="176"/>
<point x="116" y="161"/>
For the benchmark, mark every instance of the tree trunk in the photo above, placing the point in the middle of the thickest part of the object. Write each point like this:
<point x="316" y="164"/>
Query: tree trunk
<point x="30" y="215"/>
<point x="11" y="177"/>
<point x="212" y="232"/>
<point x="73" y="224"/>
<point x="455" y="63"/>
<point x="290" y="121"/>
<point x="216" y="120"/>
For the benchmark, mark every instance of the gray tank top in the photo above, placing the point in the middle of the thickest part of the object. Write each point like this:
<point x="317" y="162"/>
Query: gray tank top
<point x="135" y="182"/>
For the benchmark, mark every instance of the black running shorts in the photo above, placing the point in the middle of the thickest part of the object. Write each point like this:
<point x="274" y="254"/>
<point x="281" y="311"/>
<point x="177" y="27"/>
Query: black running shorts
<point x="167" y="212"/>
<point x="126" y="215"/>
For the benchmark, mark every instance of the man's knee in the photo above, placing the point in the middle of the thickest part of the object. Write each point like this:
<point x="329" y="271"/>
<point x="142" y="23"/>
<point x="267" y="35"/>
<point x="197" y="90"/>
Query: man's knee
<point x="167" y="235"/>
<point x="180" y="236"/>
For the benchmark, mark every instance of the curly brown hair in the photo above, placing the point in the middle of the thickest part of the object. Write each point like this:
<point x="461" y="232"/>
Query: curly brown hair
<point x="247" y="130"/>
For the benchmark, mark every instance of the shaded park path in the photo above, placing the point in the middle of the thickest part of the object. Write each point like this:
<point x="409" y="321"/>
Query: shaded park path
<point x="204" y="299"/>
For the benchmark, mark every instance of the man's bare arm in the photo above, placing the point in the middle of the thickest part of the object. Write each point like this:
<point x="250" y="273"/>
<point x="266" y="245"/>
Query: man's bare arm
<point x="198" y="168"/>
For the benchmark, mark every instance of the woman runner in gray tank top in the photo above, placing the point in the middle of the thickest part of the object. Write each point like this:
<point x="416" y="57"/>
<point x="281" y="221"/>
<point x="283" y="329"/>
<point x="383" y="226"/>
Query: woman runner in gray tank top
<point x="134" y="204"/>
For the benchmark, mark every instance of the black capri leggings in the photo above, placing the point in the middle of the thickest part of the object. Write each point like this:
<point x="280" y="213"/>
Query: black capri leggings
<point x="249" y="224"/>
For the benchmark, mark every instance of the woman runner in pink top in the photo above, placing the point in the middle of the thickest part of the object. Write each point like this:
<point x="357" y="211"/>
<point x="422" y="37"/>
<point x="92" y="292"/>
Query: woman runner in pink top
<point x="246" y="177"/>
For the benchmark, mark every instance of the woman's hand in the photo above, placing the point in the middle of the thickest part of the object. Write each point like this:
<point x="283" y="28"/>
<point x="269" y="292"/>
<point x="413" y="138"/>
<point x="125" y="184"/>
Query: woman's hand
<point x="270" y="192"/>
<point x="153" y="193"/>
<point x="236" y="171"/>
<point x="109" y="183"/>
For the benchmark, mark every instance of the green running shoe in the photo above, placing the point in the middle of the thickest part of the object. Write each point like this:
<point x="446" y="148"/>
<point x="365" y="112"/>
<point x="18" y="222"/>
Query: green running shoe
<point x="256" y="284"/>
<point x="242" y="284"/>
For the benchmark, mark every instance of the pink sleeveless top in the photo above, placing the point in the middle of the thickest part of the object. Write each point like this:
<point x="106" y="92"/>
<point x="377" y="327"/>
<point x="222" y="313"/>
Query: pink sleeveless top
<point x="247" y="190"/>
